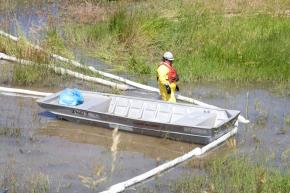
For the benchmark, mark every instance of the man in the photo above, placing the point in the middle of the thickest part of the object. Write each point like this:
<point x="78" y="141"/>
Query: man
<point x="167" y="78"/>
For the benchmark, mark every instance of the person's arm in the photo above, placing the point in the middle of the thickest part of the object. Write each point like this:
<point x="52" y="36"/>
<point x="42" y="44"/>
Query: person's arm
<point x="162" y="74"/>
<point x="163" y="77"/>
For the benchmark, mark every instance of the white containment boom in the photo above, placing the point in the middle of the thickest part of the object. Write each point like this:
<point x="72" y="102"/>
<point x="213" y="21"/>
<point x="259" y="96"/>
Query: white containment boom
<point x="64" y="71"/>
<point x="24" y="92"/>
<point x="241" y="119"/>
<point x="153" y="172"/>
<point x="195" y="152"/>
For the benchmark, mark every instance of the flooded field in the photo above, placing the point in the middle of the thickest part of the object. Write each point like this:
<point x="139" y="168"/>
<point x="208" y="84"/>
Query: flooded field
<point x="70" y="156"/>
<point x="266" y="106"/>
<point x="38" y="151"/>
<point x="33" y="142"/>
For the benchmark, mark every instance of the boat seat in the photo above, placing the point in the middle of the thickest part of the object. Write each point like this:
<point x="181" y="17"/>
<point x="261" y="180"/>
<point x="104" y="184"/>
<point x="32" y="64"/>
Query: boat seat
<point x="149" y="111"/>
<point x="136" y="109"/>
<point x="197" y="119"/>
<point x="119" y="106"/>
<point x="96" y="103"/>
<point x="164" y="113"/>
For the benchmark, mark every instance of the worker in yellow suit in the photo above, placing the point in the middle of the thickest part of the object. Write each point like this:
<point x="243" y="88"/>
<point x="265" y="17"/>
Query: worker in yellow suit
<point x="167" y="78"/>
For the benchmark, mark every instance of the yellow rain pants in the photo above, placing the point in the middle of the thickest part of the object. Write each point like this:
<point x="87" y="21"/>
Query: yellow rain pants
<point x="162" y="73"/>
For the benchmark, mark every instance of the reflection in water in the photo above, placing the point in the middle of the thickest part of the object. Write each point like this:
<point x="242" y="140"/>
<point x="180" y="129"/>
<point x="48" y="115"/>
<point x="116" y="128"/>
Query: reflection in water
<point x="265" y="106"/>
<point x="66" y="151"/>
<point x="150" y="146"/>
<point x="28" y="19"/>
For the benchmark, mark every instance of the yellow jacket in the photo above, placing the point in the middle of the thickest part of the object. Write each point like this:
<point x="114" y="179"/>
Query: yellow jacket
<point x="162" y="75"/>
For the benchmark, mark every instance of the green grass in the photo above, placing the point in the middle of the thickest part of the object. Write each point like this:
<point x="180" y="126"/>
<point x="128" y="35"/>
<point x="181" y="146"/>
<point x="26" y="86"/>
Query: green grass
<point x="53" y="43"/>
<point x="23" y="50"/>
<point x="207" y="43"/>
<point x="26" y="75"/>
<point x="213" y="41"/>
<point x="39" y="73"/>
<point x="235" y="174"/>
<point x="30" y="75"/>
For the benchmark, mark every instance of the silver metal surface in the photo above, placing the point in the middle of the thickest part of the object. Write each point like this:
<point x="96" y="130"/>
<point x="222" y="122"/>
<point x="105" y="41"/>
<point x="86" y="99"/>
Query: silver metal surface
<point x="177" y="121"/>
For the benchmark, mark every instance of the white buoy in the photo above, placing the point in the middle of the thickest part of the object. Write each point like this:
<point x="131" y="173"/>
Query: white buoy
<point x="162" y="168"/>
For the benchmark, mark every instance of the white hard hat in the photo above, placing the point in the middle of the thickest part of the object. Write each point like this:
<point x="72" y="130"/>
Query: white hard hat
<point x="168" y="56"/>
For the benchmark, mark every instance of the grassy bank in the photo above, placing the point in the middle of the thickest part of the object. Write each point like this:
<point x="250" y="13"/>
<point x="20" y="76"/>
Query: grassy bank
<point x="235" y="174"/>
<point x="40" y="72"/>
<point x="210" y="40"/>
<point x="26" y="75"/>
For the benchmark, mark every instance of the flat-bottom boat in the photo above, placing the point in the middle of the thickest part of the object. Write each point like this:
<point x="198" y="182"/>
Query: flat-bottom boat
<point x="178" y="121"/>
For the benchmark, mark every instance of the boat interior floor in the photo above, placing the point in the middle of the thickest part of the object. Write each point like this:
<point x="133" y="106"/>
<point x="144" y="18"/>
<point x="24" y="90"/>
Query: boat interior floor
<point x="154" y="111"/>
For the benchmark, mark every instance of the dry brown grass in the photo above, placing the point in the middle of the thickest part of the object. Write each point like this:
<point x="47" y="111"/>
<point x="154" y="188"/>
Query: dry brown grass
<point x="90" y="182"/>
<point x="114" y="148"/>
<point x="234" y="7"/>
<point x="232" y="143"/>
<point x="84" y="12"/>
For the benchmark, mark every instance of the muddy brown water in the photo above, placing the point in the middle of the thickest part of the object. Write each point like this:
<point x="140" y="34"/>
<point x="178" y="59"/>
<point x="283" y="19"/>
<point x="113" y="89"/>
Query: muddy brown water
<point x="64" y="151"/>
<point x="38" y="143"/>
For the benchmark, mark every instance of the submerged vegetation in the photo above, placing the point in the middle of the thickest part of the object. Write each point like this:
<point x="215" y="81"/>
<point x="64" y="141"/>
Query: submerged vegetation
<point x="10" y="182"/>
<point x="10" y="132"/>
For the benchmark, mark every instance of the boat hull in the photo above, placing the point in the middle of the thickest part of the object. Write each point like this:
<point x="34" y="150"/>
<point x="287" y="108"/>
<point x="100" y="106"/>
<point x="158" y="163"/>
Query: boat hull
<point x="175" y="132"/>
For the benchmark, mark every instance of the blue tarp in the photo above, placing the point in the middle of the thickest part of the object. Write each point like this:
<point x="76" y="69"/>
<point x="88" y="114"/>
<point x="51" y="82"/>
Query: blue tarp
<point x="71" y="97"/>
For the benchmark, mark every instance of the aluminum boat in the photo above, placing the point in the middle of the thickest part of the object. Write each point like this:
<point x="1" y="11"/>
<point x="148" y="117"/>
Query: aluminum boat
<point x="178" y="121"/>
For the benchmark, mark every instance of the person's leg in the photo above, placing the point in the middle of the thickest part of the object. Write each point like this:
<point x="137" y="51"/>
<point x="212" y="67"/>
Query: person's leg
<point x="163" y="93"/>
<point x="171" y="97"/>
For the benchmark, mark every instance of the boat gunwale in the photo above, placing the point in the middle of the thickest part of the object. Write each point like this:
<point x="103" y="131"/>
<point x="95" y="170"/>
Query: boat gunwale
<point x="106" y="122"/>
<point x="42" y="100"/>
<point x="138" y="98"/>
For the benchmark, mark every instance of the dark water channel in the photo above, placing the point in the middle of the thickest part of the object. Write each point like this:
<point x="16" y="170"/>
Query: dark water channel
<point x="33" y="141"/>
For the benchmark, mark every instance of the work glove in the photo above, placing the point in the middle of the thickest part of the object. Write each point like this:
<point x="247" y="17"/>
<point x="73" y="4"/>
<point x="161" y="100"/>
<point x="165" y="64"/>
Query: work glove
<point x="168" y="89"/>
<point x="177" y="78"/>
<point x="177" y="88"/>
